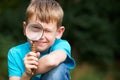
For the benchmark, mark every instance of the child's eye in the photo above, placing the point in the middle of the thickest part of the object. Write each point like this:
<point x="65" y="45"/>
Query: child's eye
<point x="47" y="31"/>
<point x="36" y="28"/>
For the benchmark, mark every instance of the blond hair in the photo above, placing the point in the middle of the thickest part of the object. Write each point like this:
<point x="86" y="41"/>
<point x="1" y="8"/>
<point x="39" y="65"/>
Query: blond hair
<point x="46" y="11"/>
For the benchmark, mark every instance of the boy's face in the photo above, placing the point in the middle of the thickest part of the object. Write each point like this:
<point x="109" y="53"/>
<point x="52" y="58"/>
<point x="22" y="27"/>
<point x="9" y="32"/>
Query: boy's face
<point x="51" y="32"/>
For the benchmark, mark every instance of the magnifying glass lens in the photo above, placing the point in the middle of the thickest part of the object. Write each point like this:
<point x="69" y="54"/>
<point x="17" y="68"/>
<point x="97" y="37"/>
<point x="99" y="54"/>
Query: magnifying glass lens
<point x="35" y="28"/>
<point x="34" y="31"/>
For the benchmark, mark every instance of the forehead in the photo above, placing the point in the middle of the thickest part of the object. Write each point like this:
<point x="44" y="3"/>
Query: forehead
<point x="49" y="25"/>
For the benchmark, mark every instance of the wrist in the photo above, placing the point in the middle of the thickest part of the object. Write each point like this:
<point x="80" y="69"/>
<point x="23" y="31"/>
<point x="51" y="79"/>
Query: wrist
<point x="26" y="76"/>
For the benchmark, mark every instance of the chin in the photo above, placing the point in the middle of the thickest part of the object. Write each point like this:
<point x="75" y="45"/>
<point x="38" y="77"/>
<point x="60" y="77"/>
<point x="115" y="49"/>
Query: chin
<point x="41" y="49"/>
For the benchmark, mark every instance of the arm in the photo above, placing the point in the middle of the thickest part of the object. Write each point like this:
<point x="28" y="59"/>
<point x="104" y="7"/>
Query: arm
<point x="50" y="61"/>
<point x="24" y="77"/>
<point x="14" y="78"/>
<point x="30" y="62"/>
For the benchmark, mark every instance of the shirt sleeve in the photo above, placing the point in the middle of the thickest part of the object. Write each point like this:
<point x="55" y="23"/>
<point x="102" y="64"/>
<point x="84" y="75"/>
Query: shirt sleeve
<point x="13" y="68"/>
<point x="64" y="45"/>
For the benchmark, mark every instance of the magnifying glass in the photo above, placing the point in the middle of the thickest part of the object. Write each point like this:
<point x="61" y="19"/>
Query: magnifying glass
<point x="34" y="32"/>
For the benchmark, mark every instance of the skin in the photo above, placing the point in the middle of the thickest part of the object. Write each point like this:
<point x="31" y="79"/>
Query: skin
<point x="47" y="62"/>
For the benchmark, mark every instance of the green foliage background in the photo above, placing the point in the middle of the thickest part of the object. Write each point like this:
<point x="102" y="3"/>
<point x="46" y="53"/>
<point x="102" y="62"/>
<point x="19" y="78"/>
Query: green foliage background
<point x="92" y="28"/>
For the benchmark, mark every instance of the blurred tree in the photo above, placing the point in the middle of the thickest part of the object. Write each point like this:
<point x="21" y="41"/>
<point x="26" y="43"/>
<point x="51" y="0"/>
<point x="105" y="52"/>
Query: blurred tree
<point x="92" y="25"/>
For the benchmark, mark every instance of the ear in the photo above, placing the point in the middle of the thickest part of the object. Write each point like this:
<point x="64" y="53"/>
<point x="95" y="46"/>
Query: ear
<point x="60" y="32"/>
<point x="24" y="27"/>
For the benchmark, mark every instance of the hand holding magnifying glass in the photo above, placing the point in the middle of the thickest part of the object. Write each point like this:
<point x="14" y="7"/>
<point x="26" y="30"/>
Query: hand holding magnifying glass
<point x="34" y="32"/>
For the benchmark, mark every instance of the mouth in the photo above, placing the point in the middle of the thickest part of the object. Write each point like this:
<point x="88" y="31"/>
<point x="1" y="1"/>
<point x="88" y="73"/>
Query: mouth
<point x="40" y="43"/>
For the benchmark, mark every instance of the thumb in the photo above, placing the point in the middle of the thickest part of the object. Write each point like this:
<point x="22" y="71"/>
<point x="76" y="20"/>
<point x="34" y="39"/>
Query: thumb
<point x="38" y="54"/>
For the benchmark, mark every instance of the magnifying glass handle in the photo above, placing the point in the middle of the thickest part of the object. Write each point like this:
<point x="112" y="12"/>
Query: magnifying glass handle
<point x="33" y="71"/>
<point x="33" y="48"/>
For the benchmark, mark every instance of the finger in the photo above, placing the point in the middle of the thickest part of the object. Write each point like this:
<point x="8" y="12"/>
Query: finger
<point x="28" y="66"/>
<point x="32" y="58"/>
<point x="32" y="62"/>
<point x="38" y="54"/>
<point x="31" y="54"/>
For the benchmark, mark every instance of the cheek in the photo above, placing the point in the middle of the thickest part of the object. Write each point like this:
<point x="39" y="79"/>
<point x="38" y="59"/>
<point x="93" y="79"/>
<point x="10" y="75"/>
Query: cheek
<point x="51" y="38"/>
<point x="51" y="35"/>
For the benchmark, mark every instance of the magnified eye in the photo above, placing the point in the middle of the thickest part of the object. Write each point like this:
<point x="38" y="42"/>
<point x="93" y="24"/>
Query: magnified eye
<point x="36" y="28"/>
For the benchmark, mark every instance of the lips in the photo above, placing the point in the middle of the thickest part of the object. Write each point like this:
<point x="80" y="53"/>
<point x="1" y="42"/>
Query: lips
<point x="40" y="43"/>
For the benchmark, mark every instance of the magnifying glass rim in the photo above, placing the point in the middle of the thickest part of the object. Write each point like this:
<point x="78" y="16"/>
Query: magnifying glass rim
<point x="35" y="24"/>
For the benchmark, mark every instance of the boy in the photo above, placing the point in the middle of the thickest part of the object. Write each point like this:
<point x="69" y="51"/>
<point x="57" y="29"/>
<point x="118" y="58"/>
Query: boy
<point x="53" y="60"/>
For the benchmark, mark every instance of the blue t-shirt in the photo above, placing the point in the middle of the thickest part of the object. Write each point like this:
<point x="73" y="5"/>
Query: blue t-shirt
<point x="16" y="55"/>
